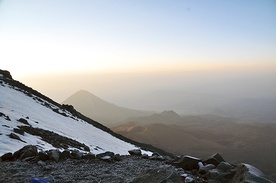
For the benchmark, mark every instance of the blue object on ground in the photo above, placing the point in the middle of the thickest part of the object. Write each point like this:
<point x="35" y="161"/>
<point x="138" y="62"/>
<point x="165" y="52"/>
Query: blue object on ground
<point x="38" y="180"/>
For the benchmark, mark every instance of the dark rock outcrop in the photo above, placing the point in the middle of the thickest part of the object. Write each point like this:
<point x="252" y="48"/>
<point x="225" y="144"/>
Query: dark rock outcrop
<point x="7" y="157"/>
<point x="24" y="121"/>
<point x="19" y="131"/>
<point x="16" y="137"/>
<point x="5" y="74"/>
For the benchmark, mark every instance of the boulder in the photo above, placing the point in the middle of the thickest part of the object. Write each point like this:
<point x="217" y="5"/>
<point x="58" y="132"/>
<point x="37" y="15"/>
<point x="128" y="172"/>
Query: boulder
<point x="65" y="154"/>
<point x="188" y="163"/>
<point x="225" y="166"/>
<point x="25" y="152"/>
<point x="214" y="159"/>
<point x="223" y="173"/>
<point x="163" y="173"/>
<point x="7" y="157"/>
<point x="108" y="153"/>
<point x="43" y="156"/>
<point x="247" y="173"/>
<point x="76" y="154"/>
<point x="89" y="156"/>
<point x="117" y="157"/>
<point x="135" y="152"/>
<point x="54" y="155"/>
<point x="24" y="121"/>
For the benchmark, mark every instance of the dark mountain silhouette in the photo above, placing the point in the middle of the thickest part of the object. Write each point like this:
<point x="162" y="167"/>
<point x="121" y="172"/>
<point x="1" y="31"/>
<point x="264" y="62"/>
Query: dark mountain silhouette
<point x="100" y="110"/>
<point x="165" y="117"/>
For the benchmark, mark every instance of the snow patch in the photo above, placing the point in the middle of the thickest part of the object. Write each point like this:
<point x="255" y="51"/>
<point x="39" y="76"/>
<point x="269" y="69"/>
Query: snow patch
<point x="16" y="105"/>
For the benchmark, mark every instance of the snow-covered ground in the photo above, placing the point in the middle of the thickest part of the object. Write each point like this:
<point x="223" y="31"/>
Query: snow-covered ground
<point x="17" y="104"/>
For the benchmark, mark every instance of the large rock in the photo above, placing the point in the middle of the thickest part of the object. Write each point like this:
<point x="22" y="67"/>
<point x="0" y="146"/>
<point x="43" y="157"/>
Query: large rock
<point x="89" y="156"/>
<point x="135" y="152"/>
<point x="66" y="154"/>
<point x="188" y="163"/>
<point x="76" y="154"/>
<point x="107" y="153"/>
<point x="54" y="155"/>
<point x="24" y="121"/>
<point x="43" y="156"/>
<point x="214" y="159"/>
<point x="163" y="173"/>
<point x="7" y="157"/>
<point x="247" y="173"/>
<point x="106" y="156"/>
<point x="223" y="173"/>
<point x="26" y="152"/>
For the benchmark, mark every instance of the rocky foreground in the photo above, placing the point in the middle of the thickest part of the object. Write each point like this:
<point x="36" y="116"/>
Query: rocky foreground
<point x="29" y="165"/>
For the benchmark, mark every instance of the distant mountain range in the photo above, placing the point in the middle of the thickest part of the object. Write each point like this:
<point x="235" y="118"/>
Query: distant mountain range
<point x="100" y="110"/>
<point x="200" y="135"/>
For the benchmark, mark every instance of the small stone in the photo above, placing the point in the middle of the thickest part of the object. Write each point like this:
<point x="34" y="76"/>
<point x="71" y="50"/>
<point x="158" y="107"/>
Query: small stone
<point x="189" y="180"/>
<point x="42" y="163"/>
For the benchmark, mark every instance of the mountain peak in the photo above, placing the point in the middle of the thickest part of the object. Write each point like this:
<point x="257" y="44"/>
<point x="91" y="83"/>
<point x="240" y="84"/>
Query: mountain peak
<point x="169" y="113"/>
<point x="101" y="110"/>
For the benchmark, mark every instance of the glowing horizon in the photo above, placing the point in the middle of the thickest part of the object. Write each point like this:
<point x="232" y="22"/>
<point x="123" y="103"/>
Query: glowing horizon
<point x="157" y="36"/>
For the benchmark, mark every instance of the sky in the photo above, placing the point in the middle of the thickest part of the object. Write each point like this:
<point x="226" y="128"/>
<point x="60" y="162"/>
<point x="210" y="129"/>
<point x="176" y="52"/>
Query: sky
<point x="106" y="43"/>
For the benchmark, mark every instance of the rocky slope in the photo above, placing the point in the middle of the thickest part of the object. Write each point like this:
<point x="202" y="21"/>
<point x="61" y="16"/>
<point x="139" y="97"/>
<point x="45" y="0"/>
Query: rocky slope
<point x="29" y="165"/>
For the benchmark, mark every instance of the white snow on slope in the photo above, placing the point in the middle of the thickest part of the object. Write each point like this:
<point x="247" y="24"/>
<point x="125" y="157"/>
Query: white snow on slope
<point x="16" y="105"/>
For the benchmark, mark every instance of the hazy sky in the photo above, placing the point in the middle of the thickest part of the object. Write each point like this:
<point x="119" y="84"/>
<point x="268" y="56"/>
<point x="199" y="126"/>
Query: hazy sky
<point x="96" y="38"/>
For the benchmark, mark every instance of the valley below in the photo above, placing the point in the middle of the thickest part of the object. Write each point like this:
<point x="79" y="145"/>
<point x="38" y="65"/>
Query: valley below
<point x="206" y="134"/>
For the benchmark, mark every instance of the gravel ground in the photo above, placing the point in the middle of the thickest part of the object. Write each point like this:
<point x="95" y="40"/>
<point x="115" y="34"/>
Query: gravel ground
<point x="77" y="170"/>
